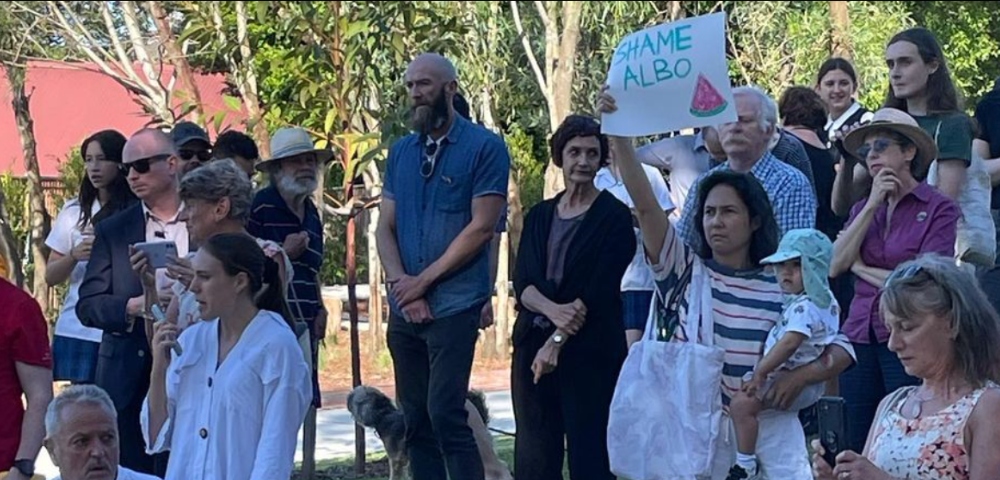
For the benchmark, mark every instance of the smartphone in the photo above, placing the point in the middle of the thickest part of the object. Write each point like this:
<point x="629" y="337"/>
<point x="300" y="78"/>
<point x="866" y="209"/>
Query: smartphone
<point x="832" y="427"/>
<point x="160" y="316"/>
<point x="158" y="252"/>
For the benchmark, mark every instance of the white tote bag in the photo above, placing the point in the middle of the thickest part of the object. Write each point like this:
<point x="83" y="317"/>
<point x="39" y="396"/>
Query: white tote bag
<point x="666" y="412"/>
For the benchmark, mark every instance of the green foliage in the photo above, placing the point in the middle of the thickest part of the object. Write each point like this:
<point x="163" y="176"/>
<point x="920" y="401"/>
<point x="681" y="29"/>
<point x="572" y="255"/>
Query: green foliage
<point x="969" y="33"/>
<point x="15" y="191"/>
<point x="71" y="172"/>
<point x="528" y="163"/>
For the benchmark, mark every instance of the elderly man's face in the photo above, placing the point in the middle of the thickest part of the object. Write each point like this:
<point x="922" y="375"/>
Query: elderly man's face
<point x="748" y="135"/>
<point x="86" y="445"/>
<point x="202" y="217"/>
<point x="297" y="175"/>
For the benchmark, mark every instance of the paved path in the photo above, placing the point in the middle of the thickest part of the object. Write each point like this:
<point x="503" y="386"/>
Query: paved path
<point x="335" y="433"/>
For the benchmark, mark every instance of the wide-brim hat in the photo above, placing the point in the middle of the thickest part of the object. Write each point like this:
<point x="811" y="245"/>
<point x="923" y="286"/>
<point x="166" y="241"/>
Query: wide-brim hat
<point x="902" y="123"/>
<point x="803" y="242"/>
<point x="291" y="141"/>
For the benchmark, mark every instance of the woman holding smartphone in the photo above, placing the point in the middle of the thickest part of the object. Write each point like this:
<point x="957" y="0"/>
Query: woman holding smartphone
<point x="103" y="191"/>
<point x="230" y="405"/>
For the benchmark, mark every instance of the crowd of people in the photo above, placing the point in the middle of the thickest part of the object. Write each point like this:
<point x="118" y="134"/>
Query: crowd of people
<point x="824" y="249"/>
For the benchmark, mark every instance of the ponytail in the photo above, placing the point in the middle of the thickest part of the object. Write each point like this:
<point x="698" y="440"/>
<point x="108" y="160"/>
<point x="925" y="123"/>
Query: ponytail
<point x="272" y="293"/>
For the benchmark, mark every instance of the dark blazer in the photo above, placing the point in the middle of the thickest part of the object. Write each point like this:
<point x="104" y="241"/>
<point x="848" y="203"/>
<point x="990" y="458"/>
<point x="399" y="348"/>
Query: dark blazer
<point x="124" y="359"/>
<point x="596" y="259"/>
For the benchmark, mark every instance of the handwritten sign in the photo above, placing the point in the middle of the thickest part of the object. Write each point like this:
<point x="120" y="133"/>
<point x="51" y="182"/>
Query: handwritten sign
<point x="669" y="77"/>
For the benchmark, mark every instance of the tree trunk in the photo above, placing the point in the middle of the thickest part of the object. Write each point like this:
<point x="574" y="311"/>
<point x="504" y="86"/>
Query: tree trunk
<point x="376" y="314"/>
<point x="516" y="217"/>
<point x="247" y="84"/>
<point x="182" y="68"/>
<point x="501" y="320"/>
<point x="9" y="250"/>
<point x="676" y="10"/>
<point x="352" y="300"/>
<point x="560" y="51"/>
<point x="40" y="221"/>
<point x="840" y="28"/>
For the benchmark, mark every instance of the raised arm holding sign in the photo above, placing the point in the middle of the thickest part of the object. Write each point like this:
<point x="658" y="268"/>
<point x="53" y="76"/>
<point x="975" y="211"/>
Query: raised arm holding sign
<point x="669" y="77"/>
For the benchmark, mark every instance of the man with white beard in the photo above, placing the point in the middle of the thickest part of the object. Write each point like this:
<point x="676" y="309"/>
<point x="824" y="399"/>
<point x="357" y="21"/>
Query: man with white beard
<point x="284" y="213"/>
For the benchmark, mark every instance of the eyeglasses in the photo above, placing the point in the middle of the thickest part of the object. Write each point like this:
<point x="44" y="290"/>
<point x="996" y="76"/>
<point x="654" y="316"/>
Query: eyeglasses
<point x="878" y="146"/>
<point x="203" y="155"/>
<point x="430" y="158"/>
<point x="143" y="165"/>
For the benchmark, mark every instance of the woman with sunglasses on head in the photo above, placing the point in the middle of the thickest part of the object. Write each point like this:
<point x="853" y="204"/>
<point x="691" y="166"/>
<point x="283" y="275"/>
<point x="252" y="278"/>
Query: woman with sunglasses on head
<point x="944" y="332"/>
<point x="103" y="192"/>
<point x="229" y="403"/>
<point x="903" y="217"/>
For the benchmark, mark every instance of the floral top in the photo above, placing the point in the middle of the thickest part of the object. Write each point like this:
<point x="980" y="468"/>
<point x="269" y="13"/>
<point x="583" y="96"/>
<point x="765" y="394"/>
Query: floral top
<point x="931" y="447"/>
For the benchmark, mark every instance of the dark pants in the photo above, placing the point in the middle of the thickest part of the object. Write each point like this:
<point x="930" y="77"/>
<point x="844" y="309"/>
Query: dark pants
<point x="432" y="363"/>
<point x="132" y="446"/>
<point x="566" y="411"/>
<point x="877" y="373"/>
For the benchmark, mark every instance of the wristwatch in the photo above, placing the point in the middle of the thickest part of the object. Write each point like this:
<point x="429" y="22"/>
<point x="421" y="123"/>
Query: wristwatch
<point x="558" y="339"/>
<point x="25" y="466"/>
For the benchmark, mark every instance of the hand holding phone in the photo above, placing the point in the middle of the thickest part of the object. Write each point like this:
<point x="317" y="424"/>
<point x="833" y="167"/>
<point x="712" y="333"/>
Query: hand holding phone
<point x="157" y="253"/>
<point x="832" y="428"/>
<point x="158" y="317"/>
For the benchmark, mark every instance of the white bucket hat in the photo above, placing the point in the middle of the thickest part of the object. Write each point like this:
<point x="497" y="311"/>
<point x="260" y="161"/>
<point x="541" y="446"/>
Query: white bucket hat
<point x="292" y="141"/>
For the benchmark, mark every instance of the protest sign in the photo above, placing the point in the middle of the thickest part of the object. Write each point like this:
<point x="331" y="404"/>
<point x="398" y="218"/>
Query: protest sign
<point x="669" y="77"/>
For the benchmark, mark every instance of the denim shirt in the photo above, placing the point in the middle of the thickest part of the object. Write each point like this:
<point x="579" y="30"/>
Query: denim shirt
<point x="430" y="213"/>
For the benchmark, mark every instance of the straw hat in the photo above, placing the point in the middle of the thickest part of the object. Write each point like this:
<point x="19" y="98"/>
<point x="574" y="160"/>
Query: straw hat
<point x="902" y="123"/>
<point x="291" y="141"/>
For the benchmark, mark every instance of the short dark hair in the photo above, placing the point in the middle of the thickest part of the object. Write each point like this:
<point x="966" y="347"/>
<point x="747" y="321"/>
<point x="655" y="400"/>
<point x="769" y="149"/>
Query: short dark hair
<point x="764" y="240"/>
<point x="232" y="143"/>
<point x="802" y="106"/>
<point x="837" y="63"/>
<point x="576" y="126"/>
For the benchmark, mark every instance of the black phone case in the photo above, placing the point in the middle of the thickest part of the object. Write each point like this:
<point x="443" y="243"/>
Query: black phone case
<point x="832" y="427"/>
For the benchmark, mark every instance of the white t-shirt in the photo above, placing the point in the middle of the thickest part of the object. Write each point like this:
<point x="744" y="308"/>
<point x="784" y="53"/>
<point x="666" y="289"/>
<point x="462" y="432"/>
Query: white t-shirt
<point x="805" y="317"/>
<point x="64" y="236"/>
<point x="637" y="276"/>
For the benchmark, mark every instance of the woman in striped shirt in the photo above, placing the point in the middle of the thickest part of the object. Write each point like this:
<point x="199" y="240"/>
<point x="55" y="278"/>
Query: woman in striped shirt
<point x="738" y="229"/>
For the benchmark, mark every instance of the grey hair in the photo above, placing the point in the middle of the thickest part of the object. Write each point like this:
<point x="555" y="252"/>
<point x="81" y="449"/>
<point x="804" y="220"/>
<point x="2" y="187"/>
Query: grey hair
<point x="76" y="394"/>
<point x="933" y="285"/>
<point x="220" y="179"/>
<point x="767" y="114"/>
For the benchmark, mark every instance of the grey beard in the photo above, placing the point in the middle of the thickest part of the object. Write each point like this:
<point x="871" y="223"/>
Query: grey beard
<point x="426" y="119"/>
<point x="297" y="188"/>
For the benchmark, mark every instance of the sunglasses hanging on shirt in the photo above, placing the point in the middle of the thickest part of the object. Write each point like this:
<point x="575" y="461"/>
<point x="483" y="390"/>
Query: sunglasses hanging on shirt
<point x="431" y="151"/>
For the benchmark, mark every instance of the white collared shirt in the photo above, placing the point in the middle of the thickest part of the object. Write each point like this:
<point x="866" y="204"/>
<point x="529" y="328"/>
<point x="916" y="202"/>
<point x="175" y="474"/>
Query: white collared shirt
<point x="239" y="421"/>
<point x="126" y="474"/>
<point x="170" y="229"/>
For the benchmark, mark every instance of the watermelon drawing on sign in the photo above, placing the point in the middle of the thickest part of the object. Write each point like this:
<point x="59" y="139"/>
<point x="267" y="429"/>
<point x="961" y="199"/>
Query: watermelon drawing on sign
<point x="706" y="102"/>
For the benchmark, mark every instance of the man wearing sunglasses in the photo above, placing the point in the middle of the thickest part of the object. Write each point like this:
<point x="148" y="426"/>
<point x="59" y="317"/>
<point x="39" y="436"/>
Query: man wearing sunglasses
<point x="445" y="189"/>
<point x="112" y="296"/>
<point x="193" y="146"/>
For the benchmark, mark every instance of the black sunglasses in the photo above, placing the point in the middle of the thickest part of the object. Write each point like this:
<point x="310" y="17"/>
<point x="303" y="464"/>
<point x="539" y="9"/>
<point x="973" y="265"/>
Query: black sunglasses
<point x="878" y="146"/>
<point x="430" y="158"/>
<point x="203" y="155"/>
<point x="142" y="165"/>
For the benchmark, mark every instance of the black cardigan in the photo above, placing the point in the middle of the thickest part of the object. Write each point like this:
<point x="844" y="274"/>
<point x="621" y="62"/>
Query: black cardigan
<point x="596" y="259"/>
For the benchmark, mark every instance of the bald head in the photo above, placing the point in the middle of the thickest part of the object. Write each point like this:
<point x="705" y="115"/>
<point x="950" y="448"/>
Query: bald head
<point x="435" y="64"/>
<point x="146" y="143"/>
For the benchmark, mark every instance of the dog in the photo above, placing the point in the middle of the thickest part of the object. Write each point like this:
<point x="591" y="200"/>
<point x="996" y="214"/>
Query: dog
<point x="373" y="409"/>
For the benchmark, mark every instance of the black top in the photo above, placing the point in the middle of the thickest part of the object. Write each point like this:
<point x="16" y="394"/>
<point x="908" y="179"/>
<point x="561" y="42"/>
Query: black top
<point x="596" y="259"/>
<point x="988" y="117"/>
<point x="823" y="163"/>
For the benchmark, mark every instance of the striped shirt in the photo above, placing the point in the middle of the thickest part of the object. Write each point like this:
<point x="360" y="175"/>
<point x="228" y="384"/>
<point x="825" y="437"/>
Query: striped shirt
<point x="271" y="219"/>
<point x="746" y="304"/>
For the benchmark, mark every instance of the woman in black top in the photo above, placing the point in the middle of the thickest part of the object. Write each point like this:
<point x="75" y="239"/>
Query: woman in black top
<point x="569" y="337"/>
<point x="804" y="115"/>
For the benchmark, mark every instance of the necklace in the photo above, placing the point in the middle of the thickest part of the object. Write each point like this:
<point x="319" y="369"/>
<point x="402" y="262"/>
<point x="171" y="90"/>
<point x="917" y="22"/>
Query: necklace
<point x="919" y="398"/>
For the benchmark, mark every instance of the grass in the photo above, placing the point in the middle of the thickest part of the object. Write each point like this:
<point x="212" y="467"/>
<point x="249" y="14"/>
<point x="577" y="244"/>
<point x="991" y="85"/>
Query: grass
<point x="377" y="466"/>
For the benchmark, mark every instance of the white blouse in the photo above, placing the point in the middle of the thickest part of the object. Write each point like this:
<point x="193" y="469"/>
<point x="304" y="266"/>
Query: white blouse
<point x="239" y="421"/>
